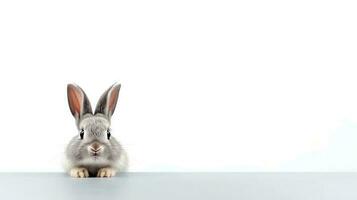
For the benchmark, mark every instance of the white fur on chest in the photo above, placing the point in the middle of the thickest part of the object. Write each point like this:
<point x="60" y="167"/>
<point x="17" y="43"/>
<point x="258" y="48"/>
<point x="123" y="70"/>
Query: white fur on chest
<point x="95" y="162"/>
<point x="121" y="165"/>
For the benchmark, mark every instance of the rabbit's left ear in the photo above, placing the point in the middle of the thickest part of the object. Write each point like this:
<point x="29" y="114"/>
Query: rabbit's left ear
<point x="108" y="101"/>
<point x="78" y="101"/>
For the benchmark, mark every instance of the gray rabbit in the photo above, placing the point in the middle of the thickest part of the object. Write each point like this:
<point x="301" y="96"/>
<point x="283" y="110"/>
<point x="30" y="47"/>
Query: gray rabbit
<point x="93" y="152"/>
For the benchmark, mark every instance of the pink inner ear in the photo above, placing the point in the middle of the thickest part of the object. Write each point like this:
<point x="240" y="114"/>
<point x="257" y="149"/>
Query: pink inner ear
<point x="75" y="100"/>
<point x="113" y="100"/>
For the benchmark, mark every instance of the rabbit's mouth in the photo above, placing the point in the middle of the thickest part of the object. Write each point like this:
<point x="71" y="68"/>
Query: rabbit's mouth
<point x="96" y="158"/>
<point x="95" y="149"/>
<point x="94" y="155"/>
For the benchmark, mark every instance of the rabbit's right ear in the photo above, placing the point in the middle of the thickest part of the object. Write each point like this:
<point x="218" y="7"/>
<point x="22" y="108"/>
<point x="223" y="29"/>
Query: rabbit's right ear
<point x="108" y="101"/>
<point x="78" y="101"/>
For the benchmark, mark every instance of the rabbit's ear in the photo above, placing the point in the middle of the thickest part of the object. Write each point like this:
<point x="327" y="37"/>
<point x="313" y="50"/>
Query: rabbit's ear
<point x="108" y="101"/>
<point x="78" y="101"/>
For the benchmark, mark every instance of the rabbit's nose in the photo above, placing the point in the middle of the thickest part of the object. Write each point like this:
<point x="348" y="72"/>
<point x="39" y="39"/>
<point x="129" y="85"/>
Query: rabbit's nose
<point x="95" y="147"/>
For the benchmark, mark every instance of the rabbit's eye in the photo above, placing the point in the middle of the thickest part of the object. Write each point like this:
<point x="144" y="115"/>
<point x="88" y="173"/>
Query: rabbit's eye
<point x="108" y="134"/>
<point x="81" y="134"/>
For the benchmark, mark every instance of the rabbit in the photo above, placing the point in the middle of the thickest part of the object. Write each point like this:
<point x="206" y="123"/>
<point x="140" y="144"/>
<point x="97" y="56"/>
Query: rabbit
<point x="93" y="152"/>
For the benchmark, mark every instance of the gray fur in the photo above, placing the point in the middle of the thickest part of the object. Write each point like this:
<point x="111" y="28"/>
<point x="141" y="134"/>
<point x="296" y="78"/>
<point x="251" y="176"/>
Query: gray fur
<point x="95" y="130"/>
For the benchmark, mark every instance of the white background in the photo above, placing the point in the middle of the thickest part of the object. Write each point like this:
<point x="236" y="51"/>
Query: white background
<point x="206" y="85"/>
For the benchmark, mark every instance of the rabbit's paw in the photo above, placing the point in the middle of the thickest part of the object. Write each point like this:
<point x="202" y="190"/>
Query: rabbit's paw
<point x="79" y="172"/>
<point x="106" y="172"/>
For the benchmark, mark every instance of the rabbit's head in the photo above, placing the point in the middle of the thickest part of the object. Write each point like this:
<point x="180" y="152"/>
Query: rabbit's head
<point x="94" y="138"/>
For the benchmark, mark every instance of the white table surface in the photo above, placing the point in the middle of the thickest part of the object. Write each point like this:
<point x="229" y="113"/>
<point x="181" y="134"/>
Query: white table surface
<point x="183" y="186"/>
